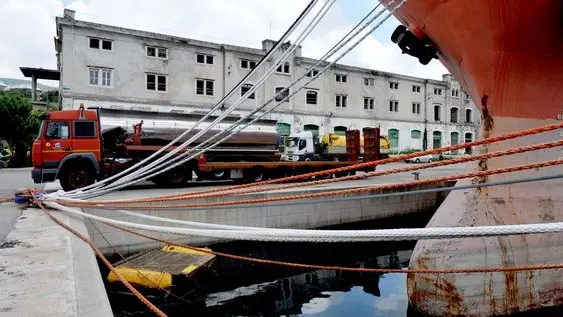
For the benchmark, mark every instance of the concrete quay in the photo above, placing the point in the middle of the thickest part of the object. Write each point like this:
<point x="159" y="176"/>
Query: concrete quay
<point x="47" y="271"/>
<point x="314" y="215"/>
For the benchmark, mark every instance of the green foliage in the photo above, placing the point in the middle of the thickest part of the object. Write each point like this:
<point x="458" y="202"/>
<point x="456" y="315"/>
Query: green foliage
<point x="405" y="151"/>
<point x="50" y="96"/>
<point x="19" y="124"/>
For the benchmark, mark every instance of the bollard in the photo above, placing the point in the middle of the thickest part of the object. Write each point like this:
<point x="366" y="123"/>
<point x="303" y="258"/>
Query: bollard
<point x="416" y="175"/>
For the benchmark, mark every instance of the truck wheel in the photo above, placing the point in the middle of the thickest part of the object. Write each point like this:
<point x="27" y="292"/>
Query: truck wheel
<point x="76" y="175"/>
<point x="254" y="175"/>
<point x="178" y="176"/>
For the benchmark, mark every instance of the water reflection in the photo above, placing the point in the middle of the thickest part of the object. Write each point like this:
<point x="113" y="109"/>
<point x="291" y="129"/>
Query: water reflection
<point x="306" y="293"/>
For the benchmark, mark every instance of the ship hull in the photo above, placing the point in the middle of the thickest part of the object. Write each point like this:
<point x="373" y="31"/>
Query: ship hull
<point x="508" y="55"/>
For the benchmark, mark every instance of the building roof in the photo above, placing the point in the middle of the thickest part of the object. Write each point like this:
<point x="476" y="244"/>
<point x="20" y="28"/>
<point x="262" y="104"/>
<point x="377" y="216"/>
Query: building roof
<point x="41" y="73"/>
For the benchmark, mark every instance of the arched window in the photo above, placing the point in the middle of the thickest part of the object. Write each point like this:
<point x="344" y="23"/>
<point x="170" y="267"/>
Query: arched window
<point x="468" y="138"/>
<point x="283" y="68"/>
<point x="311" y="97"/>
<point x="281" y="96"/>
<point x="437" y="113"/>
<point x="415" y="134"/>
<point x="468" y="116"/>
<point x="340" y="130"/>
<point x="454" y="114"/>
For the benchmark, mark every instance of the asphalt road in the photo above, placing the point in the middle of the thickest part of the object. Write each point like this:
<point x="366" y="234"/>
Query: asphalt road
<point x="10" y="180"/>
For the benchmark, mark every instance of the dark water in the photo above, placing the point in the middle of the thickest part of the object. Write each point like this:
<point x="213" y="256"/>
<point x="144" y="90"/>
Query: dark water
<point x="235" y="288"/>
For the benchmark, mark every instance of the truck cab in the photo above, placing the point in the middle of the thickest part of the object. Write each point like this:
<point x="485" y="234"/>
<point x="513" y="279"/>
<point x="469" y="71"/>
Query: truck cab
<point x="299" y="146"/>
<point x="68" y="147"/>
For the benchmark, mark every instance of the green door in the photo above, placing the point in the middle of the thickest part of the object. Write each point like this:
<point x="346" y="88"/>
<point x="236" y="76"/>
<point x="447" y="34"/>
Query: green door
<point x="437" y="138"/>
<point x="284" y="129"/>
<point x="313" y="128"/>
<point x="394" y="137"/>
<point x="340" y="130"/>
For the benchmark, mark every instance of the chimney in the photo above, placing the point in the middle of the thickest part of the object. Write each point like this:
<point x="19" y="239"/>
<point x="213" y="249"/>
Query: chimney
<point x="69" y="14"/>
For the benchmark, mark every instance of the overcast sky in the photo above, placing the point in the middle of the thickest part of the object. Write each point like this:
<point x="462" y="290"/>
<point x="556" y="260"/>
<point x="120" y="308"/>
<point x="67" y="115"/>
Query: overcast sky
<point x="28" y="28"/>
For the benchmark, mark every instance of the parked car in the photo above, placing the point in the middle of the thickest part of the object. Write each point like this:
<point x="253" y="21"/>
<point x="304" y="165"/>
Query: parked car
<point x="421" y="159"/>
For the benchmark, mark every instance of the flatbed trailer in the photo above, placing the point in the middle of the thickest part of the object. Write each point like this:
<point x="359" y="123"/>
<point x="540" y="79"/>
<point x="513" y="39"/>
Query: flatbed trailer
<point x="72" y="147"/>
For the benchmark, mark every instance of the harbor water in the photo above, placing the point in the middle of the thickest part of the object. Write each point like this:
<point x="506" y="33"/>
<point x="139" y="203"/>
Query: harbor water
<point x="236" y="288"/>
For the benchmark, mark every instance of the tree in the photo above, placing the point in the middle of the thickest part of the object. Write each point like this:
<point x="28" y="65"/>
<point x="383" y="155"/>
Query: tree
<point x="19" y="124"/>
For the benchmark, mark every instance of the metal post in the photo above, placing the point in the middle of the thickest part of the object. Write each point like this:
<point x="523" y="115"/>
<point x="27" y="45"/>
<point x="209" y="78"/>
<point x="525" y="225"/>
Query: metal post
<point x="33" y="87"/>
<point x="416" y="175"/>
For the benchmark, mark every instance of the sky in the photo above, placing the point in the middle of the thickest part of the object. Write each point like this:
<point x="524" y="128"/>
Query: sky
<point x="28" y="28"/>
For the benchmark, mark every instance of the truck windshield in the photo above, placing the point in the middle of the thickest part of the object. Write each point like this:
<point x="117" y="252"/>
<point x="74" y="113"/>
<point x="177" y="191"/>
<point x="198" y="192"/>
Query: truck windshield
<point x="292" y="142"/>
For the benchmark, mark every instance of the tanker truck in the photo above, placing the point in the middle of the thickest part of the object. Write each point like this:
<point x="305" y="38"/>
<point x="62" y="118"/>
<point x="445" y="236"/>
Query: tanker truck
<point x="303" y="146"/>
<point x="82" y="146"/>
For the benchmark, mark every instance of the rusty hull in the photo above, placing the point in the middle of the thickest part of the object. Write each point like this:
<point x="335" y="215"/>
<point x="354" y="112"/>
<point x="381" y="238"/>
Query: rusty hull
<point x="509" y="56"/>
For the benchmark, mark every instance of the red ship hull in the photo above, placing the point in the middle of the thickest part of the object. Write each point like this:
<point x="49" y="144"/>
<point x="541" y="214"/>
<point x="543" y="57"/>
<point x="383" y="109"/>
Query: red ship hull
<point x="509" y="56"/>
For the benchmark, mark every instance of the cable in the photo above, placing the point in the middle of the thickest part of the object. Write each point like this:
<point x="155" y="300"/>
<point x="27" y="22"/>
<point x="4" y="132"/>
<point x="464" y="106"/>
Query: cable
<point x="217" y="106"/>
<point x="349" y="269"/>
<point x="348" y="191"/>
<point x="314" y="77"/>
<point x="327" y="55"/>
<point x="195" y="224"/>
<point x="325" y="236"/>
<point x="353" y="177"/>
<point x="98" y="253"/>
<point x="231" y="108"/>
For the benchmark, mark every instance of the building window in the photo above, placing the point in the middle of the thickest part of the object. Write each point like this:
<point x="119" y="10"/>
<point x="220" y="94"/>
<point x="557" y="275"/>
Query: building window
<point x="204" y="59"/>
<point x="244" y="89"/>
<point x="468" y="116"/>
<point x="437" y="116"/>
<point x="415" y="134"/>
<point x="341" y="78"/>
<point x="204" y="87"/>
<point x="393" y="106"/>
<point x="247" y="64"/>
<point x="311" y="97"/>
<point x="94" y="76"/>
<point x="454" y="113"/>
<point x="281" y="96"/>
<point x="468" y="138"/>
<point x="156" y="82"/>
<point x="416" y="107"/>
<point x="369" y="81"/>
<point x="104" y="73"/>
<point x="341" y="101"/>
<point x="100" y="44"/>
<point x="160" y="52"/>
<point x="368" y="103"/>
<point x="393" y="85"/>
<point x="312" y="73"/>
<point x="284" y="68"/>
<point x="415" y="88"/>
<point x="455" y="92"/>
<point x="438" y="91"/>
<point x="106" y="77"/>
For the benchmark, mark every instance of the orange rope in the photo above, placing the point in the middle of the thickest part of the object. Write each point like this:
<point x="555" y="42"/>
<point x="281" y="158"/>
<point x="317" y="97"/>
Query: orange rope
<point x="358" y="166"/>
<point x="351" y="269"/>
<point x="367" y="175"/>
<point x="338" y="192"/>
<point x="145" y="301"/>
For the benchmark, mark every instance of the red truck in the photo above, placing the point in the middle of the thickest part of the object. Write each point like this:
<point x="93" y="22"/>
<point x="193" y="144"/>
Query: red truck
<point x="81" y="146"/>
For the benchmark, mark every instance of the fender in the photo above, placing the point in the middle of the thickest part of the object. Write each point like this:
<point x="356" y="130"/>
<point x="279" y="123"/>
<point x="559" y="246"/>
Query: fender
<point x="88" y="156"/>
